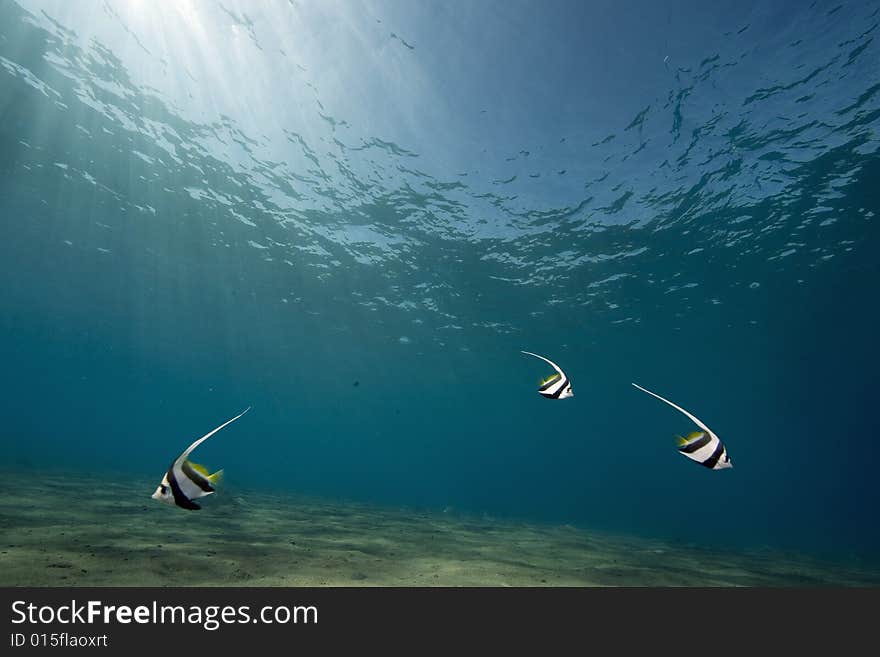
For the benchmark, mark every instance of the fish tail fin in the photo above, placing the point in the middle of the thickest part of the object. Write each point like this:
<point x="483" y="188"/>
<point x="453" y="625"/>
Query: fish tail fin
<point x="681" y="441"/>
<point x="216" y="477"/>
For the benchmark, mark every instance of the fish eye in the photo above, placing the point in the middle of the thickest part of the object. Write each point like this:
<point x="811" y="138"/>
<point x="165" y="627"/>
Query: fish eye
<point x="163" y="489"/>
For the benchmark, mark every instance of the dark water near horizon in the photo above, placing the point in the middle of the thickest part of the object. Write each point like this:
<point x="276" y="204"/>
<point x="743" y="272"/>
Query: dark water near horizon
<point x="354" y="217"/>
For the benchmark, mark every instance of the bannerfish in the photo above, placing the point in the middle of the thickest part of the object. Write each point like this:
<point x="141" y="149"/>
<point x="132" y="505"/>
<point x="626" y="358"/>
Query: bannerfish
<point x="555" y="386"/>
<point x="704" y="446"/>
<point x="186" y="481"/>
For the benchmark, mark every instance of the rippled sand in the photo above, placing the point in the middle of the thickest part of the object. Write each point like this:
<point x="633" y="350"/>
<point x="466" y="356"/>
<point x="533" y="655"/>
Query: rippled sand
<point x="68" y="530"/>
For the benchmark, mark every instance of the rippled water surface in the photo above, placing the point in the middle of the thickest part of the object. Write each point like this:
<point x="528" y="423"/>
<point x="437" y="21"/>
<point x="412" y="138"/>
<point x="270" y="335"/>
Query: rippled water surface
<point x="353" y="216"/>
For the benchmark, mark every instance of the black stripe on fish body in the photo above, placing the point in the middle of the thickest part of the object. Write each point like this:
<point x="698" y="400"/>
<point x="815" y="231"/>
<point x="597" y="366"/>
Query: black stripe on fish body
<point x="552" y="380"/>
<point x="180" y="499"/>
<point x="196" y="477"/>
<point x="690" y="448"/>
<point x="713" y="459"/>
<point x="555" y="394"/>
<point x="561" y="388"/>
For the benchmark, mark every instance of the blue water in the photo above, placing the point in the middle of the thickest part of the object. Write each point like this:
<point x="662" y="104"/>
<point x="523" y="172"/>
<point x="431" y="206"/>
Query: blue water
<point x="353" y="216"/>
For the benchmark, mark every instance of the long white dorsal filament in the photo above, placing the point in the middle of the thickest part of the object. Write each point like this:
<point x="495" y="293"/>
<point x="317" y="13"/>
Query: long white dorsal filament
<point x="182" y="457"/>
<point x="679" y="408"/>
<point x="546" y="360"/>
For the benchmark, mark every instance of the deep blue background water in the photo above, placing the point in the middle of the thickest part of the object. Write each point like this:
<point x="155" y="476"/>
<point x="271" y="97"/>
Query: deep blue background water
<point x="354" y="217"/>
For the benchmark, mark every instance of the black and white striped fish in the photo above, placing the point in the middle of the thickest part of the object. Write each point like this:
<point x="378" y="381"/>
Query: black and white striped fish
<point x="555" y="386"/>
<point x="704" y="446"/>
<point x="186" y="481"/>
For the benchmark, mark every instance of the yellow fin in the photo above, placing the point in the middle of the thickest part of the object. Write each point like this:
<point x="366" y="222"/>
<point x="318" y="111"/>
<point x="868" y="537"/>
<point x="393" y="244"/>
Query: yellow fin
<point x="550" y="378"/>
<point x="202" y="470"/>
<point x="691" y="437"/>
<point x="216" y="477"/>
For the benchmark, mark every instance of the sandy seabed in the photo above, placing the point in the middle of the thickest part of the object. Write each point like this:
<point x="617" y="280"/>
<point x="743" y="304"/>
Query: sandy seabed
<point x="70" y="530"/>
